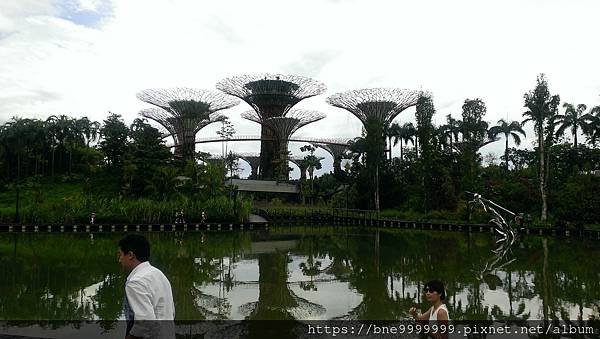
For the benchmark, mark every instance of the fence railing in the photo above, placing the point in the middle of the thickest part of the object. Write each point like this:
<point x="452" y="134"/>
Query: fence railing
<point x="355" y="217"/>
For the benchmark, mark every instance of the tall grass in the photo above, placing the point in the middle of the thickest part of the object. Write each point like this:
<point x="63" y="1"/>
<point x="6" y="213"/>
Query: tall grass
<point x="78" y="208"/>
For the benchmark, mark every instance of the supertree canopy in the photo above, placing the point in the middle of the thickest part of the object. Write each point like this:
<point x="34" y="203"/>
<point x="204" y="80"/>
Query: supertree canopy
<point x="282" y="129"/>
<point x="184" y="111"/>
<point x="177" y="127"/>
<point x="270" y="95"/>
<point x="382" y="104"/>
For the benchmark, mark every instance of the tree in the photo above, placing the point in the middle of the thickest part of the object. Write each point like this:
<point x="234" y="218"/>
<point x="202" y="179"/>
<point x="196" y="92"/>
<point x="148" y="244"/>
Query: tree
<point x="573" y="118"/>
<point x="232" y="164"/>
<point x="74" y="139"/>
<point x="393" y="133"/>
<point x="144" y="154"/>
<point x="425" y="132"/>
<point x="451" y="130"/>
<point x="114" y="143"/>
<point x="226" y="132"/>
<point x="512" y="129"/>
<point x="64" y="135"/>
<point x="424" y="115"/>
<point x="473" y="126"/>
<point x="541" y="109"/>
<point x="311" y="162"/>
<point x="90" y="129"/>
<point x="406" y="133"/>
<point x="592" y="129"/>
<point x="474" y="132"/>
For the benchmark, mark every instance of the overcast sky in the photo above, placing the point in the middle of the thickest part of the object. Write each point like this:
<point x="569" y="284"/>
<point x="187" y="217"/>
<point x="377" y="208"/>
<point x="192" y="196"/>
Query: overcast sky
<point x="88" y="57"/>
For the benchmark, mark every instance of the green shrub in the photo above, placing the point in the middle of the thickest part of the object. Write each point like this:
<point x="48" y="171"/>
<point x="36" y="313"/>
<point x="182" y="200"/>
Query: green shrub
<point x="78" y="208"/>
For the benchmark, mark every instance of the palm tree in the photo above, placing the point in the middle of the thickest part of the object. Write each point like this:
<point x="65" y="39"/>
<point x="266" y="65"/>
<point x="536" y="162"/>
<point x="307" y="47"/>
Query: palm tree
<point x="512" y="129"/>
<point x="393" y="133"/>
<point x="60" y="129"/>
<point x="451" y="130"/>
<point x="405" y="134"/>
<point x="541" y="111"/>
<point x="75" y="135"/>
<point x="53" y="135"/>
<point x="573" y="118"/>
<point x="592" y="129"/>
<point x="90" y="129"/>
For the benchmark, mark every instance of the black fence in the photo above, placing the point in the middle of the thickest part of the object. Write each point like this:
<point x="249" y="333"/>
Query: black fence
<point x="371" y="218"/>
<point x="117" y="228"/>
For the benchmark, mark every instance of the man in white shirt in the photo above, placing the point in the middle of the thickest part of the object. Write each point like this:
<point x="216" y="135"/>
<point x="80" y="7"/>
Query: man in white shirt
<point x="148" y="302"/>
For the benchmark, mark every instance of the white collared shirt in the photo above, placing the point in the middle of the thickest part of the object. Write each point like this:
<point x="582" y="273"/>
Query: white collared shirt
<point x="150" y="297"/>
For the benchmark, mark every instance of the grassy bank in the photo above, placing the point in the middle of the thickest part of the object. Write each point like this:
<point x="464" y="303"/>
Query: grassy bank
<point x="74" y="201"/>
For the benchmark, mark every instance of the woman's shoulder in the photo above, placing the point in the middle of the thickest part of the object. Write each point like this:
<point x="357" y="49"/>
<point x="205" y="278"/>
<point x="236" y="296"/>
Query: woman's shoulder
<point x="443" y="310"/>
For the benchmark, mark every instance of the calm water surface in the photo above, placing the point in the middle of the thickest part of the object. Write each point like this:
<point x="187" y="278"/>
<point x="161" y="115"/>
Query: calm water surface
<point x="305" y="273"/>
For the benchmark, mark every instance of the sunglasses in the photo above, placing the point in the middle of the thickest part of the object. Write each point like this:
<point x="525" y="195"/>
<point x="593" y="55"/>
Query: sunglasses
<point x="428" y="289"/>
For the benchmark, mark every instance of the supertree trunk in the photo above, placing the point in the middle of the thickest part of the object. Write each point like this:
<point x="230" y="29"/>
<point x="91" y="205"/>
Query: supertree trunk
<point x="267" y="153"/>
<point x="274" y="148"/>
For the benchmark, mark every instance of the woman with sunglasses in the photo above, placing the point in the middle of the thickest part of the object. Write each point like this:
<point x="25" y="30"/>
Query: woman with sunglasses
<point x="435" y="294"/>
<point x="438" y="313"/>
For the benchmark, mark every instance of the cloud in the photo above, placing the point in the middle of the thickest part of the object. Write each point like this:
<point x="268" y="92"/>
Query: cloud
<point x="224" y="30"/>
<point x="312" y="63"/>
<point x="23" y="101"/>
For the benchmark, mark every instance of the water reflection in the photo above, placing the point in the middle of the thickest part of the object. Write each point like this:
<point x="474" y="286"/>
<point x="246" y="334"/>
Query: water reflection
<point x="305" y="273"/>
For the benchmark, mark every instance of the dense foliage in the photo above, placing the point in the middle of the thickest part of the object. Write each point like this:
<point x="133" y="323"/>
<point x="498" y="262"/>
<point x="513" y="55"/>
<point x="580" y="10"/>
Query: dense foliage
<point x="555" y="182"/>
<point x="63" y="169"/>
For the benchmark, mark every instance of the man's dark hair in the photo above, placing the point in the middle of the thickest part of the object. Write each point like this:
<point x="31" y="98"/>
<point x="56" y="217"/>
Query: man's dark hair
<point x="137" y="244"/>
<point x="437" y="286"/>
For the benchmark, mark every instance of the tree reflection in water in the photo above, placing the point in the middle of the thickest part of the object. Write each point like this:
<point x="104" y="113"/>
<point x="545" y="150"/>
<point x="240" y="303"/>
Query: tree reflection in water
<point x="348" y="273"/>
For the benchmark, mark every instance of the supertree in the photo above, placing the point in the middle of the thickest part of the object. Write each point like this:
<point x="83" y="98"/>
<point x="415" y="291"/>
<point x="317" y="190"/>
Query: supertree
<point x="253" y="159"/>
<point x="380" y="104"/>
<point x="298" y="161"/>
<point x="337" y="151"/>
<point x="282" y="129"/>
<point x="375" y="108"/>
<point x="270" y="95"/>
<point x="184" y="111"/>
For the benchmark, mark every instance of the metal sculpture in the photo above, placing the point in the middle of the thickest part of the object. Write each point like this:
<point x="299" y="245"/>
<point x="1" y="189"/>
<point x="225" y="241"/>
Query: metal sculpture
<point x="500" y="255"/>
<point x="499" y="259"/>
<point x="282" y="129"/>
<point x="183" y="112"/>
<point x="270" y="95"/>
<point x="498" y="222"/>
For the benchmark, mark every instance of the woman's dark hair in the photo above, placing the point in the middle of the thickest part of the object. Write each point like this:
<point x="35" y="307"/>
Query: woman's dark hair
<point x="137" y="244"/>
<point x="436" y="286"/>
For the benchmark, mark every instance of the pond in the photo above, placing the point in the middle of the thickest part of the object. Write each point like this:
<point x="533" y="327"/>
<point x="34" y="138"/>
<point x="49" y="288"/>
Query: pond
<point x="303" y="272"/>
